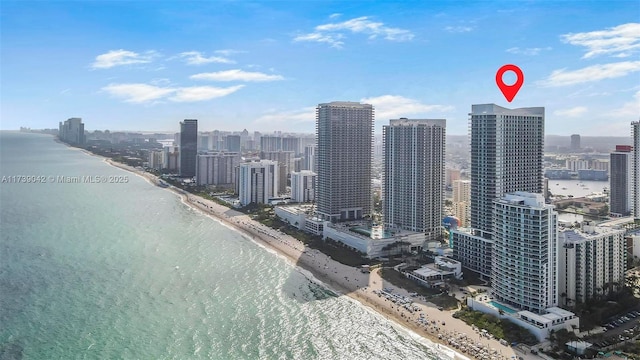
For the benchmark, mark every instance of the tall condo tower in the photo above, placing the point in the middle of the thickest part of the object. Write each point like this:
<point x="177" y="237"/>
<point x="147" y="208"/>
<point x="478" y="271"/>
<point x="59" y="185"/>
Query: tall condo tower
<point x="344" y="132"/>
<point x="621" y="181"/>
<point x="414" y="159"/>
<point x="507" y="148"/>
<point x="635" y="134"/>
<point x="188" y="147"/>
<point x="525" y="265"/>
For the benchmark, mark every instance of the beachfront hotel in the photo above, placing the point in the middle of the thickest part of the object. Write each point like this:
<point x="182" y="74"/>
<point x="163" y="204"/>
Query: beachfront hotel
<point x="525" y="267"/>
<point x="507" y="148"/>
<point x="188" y="147"/>
<point x="257" y="182"/>
<point x="621" y="180"/>
<point x="344" y="132"/>
<point x="413" y="175"/>
<point x="635" y="134"/>
<point x="591" y="262"/>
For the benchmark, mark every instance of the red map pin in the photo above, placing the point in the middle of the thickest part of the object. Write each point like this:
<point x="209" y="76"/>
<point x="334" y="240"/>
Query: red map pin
<point x="509" y="91"/>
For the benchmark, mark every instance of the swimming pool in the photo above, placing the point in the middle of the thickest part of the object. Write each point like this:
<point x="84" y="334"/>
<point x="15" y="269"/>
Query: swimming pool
<point x="502" y="307"/>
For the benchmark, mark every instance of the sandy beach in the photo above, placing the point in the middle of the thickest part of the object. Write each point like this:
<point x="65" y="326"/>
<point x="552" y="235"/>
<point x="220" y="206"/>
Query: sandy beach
<point x="457" y="339"/>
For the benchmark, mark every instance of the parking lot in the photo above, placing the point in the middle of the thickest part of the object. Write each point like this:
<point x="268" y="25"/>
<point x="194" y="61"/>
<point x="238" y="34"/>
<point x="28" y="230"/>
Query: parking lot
<point x="619" y="328"/>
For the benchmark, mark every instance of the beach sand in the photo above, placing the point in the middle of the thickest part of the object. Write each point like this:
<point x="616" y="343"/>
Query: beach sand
<point x="349" y="281"/>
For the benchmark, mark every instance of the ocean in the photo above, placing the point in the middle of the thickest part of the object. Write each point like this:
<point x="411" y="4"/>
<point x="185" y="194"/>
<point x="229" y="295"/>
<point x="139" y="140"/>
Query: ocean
<point x="94" y="270"/>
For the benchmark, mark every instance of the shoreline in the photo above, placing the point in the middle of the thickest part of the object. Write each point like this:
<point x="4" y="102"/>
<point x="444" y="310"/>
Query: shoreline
<point x="345" y="280"/>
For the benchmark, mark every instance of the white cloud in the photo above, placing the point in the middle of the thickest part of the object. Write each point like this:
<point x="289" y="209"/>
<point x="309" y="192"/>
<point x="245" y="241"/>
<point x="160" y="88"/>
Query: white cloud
<point x="236" y="75"/>
<point x="458" y="29"/>
<point x="201" y="93"/>
<point x="394" y="106"/>
<point x="122" y="57"/>
<point x="307" y="114"/>
<point x="229" y="52"/>
<point x="571" y="112"/>
<point x="142" y="93"/>
<point x="335" y="15"/>
<point x="629" y="110"/>
<point x="619" y="41"/>
<point x="196" y="58"/>
<point x="527" y="51"/>
<point x="563" y="77"/>
<point x="332" y="33"/>
<point x="332" y="40"/>
<point x="137" y="93"/>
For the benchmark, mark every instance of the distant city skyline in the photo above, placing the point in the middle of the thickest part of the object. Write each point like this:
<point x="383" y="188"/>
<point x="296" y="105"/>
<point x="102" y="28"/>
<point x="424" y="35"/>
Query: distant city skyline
<point x="264" y="66"/>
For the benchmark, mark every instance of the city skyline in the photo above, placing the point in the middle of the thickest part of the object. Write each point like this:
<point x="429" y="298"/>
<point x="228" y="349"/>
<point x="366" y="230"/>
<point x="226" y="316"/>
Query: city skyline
<point x="266" y="65"/>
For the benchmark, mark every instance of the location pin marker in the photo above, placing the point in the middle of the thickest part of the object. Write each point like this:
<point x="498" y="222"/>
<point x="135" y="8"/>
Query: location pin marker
<point x="509" y="91"/>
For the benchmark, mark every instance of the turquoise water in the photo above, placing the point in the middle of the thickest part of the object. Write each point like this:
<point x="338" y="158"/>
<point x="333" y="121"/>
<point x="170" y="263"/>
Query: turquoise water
<point x="103" y="271"/>
<point x="502" y="307"/>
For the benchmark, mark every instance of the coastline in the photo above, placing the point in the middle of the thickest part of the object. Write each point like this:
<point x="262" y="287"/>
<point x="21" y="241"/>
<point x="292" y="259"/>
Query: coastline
<point x="346" y="280"/>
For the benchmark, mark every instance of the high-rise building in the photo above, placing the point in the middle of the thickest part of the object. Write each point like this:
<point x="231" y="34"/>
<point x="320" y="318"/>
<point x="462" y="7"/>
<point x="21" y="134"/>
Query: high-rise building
<point x="188" y="147"/>
<point x="217" y="169"/>
<point x="257" y="182"/>
<point x="270" y="143"/>
<point x="451" y="175"/>
<point x="462" y="201"/>
<point x="285" y="163"/>
<point x="303" y="186"/>
<point x="413" y="175"/>
<point x="233" y="143"/>
<point x="345" y="136"/>
<point x="507" y="149"/>
<point x="575" y="142"/>
<point x="291" y="143"/>
<point x="591" y="263"/>
<point x="635" y="189"/>
<point x="72" y="131"/>
<point x="621" y="181"/>
<point x="156" y="159"/>
<point x="525" y="248"/>
<point x="171" y="158"/>
<point x="310" y="158"/>
<point x="215" y="140"/>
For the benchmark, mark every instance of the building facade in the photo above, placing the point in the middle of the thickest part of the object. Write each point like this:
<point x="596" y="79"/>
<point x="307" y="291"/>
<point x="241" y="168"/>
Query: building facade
<point x="217" y="169"/>
<point x="303" y="186"/>
<point x="232" y="143"/>
<point x="72" y="131"/>
<point x="462" y="201"/>
<point x="257" y="182"/>
<point x="591" y="263"/>
<point x="635" y="134"/>
<point x="188" y="147"/>
<point x="507" y="149"/>
<point x="413" y="175"/>
<point x="621" y="180"/>
<point x="525" y="248"/>
<point x="344" y="132"/>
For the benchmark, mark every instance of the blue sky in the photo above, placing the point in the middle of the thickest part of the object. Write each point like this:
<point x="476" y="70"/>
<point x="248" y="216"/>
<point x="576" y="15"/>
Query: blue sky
<point x="264" y="66"/>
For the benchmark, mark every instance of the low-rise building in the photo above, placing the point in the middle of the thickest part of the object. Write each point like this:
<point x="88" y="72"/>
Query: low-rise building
<point x="374" y="241"/>
<point x="541" y="325"/>
<point x="433" y="275"/>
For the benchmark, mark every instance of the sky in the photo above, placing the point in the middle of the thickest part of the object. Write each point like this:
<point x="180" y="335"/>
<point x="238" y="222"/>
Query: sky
<point x="146" y="65"/>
